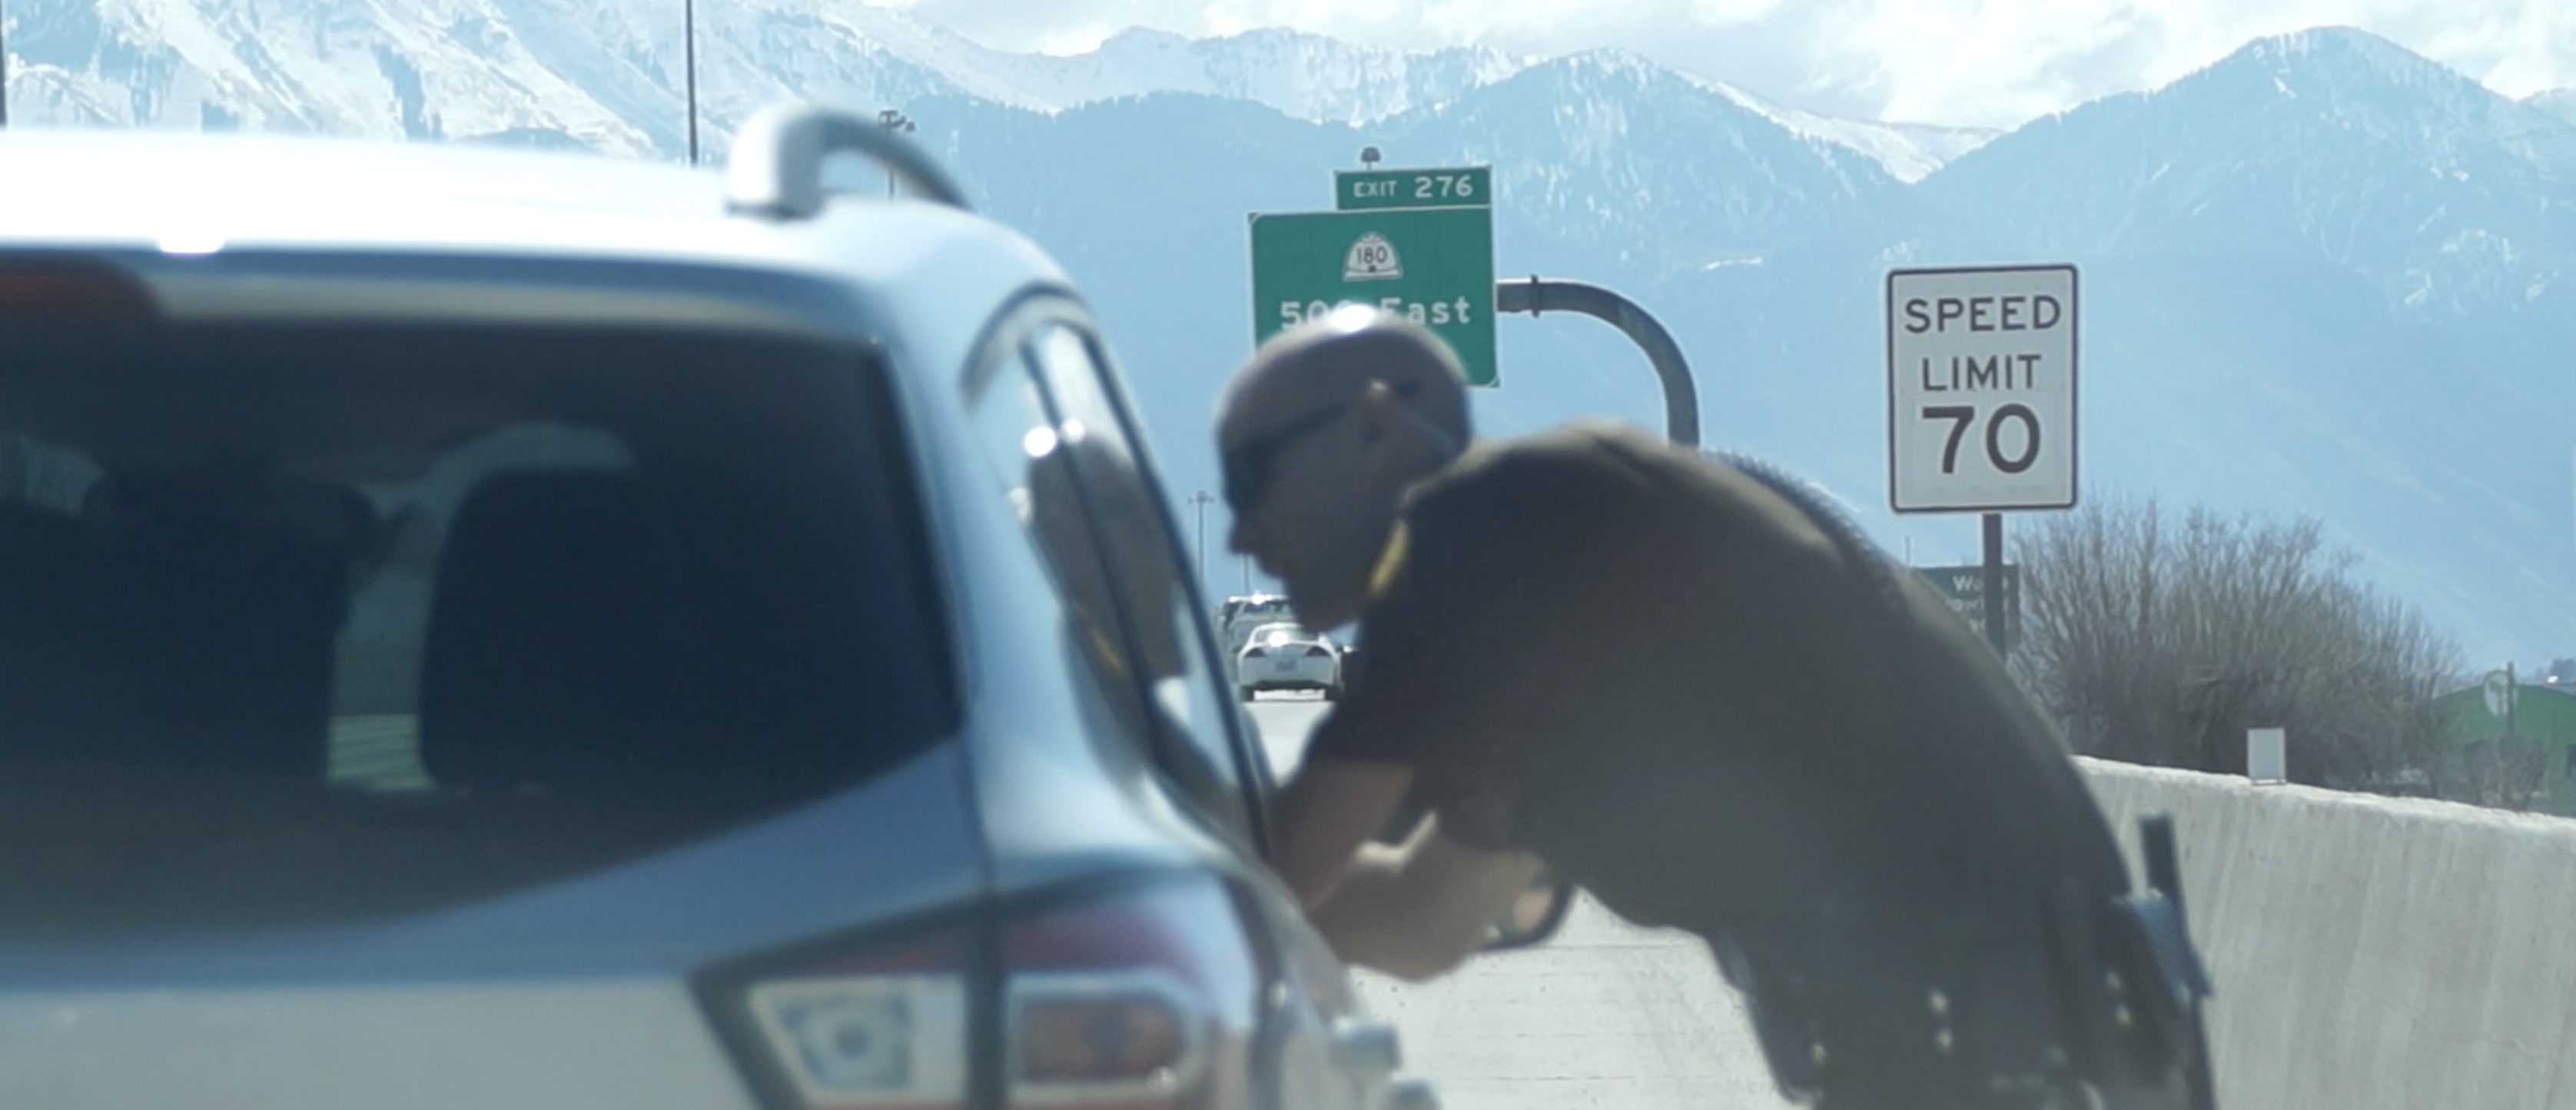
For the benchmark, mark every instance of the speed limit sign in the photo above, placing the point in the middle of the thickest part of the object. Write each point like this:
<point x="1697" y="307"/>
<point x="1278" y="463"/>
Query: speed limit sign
<point x="1981" y="388"/>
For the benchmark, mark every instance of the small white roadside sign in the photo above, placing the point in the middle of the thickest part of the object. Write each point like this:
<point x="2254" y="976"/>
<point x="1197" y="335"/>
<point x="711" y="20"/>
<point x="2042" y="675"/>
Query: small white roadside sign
<point x="2267" y="754"/>
<point x="1981" y="388"/>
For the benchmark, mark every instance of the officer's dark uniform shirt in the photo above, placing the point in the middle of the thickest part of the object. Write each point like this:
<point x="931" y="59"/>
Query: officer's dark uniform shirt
<point x="1661" y="677"/>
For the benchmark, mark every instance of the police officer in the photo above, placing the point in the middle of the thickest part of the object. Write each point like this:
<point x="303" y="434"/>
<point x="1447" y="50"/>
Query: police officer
<point x="1669" y="680"/>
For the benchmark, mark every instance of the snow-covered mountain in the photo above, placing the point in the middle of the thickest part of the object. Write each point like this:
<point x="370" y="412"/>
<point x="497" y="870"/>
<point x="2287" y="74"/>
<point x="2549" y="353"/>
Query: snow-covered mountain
<point x="2323" y="275"/>
<point x="1695" y="176"/>
<point x="1310" y="77"/>
<point x="2557" y="102"/>
<point x="1908" y="151"/>
<point x="612" y="76"/>
<point x="2349" y="278"/>
<point x="2446" y="196"/>
<point x="453" y="69"/>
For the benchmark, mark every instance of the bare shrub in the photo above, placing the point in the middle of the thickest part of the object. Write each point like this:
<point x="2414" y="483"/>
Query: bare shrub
<point x="2160" y="640"/>
<point x="2507" y="772"/>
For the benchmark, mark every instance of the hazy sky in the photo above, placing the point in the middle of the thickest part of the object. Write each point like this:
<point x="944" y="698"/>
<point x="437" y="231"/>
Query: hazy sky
<point x="1986" y="62"/>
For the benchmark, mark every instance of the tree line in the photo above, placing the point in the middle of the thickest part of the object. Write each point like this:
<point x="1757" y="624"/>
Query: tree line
<point x="2160" y="637"/>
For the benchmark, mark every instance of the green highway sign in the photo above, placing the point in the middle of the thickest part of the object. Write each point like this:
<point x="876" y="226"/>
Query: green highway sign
<point x="1456" y="187"/>
<point x="1434" y="265"/>
<point x="1964" y="587"/>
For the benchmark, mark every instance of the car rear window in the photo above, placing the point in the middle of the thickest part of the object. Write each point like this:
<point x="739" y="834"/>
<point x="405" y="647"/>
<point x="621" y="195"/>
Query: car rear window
<point x="303" y="621"/>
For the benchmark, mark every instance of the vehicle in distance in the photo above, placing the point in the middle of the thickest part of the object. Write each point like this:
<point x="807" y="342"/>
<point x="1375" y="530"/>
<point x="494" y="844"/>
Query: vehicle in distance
<point x="1242" y="613"/>
<point x="490" y="628"/>
<point x="1285" y="656"/>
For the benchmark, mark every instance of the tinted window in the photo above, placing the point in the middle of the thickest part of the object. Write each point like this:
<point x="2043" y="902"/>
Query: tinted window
<point x="1037" y="475"/>
<point x="1192" y="703"/>
<point x="303" y="621"/>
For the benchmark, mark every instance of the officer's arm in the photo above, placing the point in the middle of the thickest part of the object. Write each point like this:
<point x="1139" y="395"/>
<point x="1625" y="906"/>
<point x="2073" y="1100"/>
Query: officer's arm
<point x="1325" y="814"/>
<point x="1415" y="911"/>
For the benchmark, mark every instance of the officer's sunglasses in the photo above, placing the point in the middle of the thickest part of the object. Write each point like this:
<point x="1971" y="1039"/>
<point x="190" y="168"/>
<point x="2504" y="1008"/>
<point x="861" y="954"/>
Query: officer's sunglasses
<point x="1248" y="465"/>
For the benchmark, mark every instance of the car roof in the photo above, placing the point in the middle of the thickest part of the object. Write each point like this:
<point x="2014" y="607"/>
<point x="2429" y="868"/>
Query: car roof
<point x="922" y="274"/>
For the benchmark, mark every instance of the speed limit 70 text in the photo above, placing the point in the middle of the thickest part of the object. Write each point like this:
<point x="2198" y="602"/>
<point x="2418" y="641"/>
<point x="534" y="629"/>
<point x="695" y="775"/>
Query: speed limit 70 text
<point x="2009" y="432"/>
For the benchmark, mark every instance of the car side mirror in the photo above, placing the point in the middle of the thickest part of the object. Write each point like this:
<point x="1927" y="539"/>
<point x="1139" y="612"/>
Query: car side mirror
<point x="1532" y="916"/>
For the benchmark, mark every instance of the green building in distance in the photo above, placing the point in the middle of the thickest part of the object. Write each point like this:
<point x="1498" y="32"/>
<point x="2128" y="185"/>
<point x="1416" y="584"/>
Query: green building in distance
<point x="2511" y="744"/>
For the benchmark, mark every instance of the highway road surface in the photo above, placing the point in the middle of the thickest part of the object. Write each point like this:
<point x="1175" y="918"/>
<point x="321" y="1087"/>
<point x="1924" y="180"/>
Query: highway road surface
<point x="1606" y="1016"/>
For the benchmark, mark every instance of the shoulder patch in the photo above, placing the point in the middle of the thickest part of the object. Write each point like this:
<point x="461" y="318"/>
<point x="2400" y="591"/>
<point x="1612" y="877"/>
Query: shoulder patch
<point x="1390" y="559"/>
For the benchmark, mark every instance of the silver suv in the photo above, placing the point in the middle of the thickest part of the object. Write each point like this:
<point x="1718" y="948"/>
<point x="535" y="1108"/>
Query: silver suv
<point x="488" y="629"/>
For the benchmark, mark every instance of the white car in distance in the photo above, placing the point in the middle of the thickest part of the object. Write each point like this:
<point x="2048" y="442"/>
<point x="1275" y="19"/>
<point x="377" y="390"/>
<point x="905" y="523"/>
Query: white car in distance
<point x="1242" y="613"/>
<point x="1282" y="656"/>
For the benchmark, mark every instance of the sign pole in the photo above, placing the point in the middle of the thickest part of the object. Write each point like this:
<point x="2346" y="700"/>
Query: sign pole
<point x="1200" y="501"/>
<point x="1681" y="392"/>
<point x="2512" y="694"/>
<point x="689" y="60"/>
<point x="1995" y="581"/>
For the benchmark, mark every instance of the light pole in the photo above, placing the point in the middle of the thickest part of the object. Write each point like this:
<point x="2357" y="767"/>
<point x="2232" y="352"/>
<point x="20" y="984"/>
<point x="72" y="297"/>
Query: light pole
<point x="1200" y="501"/>
<point x="892" y="120"/>
<point x="689" y="64"/>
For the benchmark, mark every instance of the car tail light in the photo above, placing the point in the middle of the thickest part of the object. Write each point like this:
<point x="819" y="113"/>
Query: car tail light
<point x="885" y="1030"/>
<point x="1140" y="998"/>
<point x="71" y="287"/>
<point x="1317" y="652"/>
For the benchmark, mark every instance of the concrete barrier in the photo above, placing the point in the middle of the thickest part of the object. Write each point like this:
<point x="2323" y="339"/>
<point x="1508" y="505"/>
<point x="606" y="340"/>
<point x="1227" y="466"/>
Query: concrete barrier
<point x="2369" y="953"/>
<point x="2372" y="952"/>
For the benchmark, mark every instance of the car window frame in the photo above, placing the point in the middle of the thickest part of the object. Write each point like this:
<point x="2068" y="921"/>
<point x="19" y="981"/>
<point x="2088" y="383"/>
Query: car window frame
<point x="1008" y="349"/>
<point x="1098" y="374"/>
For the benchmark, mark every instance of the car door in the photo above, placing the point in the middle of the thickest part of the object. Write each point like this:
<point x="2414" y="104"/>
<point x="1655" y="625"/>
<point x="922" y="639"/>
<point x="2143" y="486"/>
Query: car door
<point x="1122" y="567"/>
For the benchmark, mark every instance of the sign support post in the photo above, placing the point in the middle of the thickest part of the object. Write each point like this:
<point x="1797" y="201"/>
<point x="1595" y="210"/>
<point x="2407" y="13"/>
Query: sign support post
<point x="1995" y="581"/>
